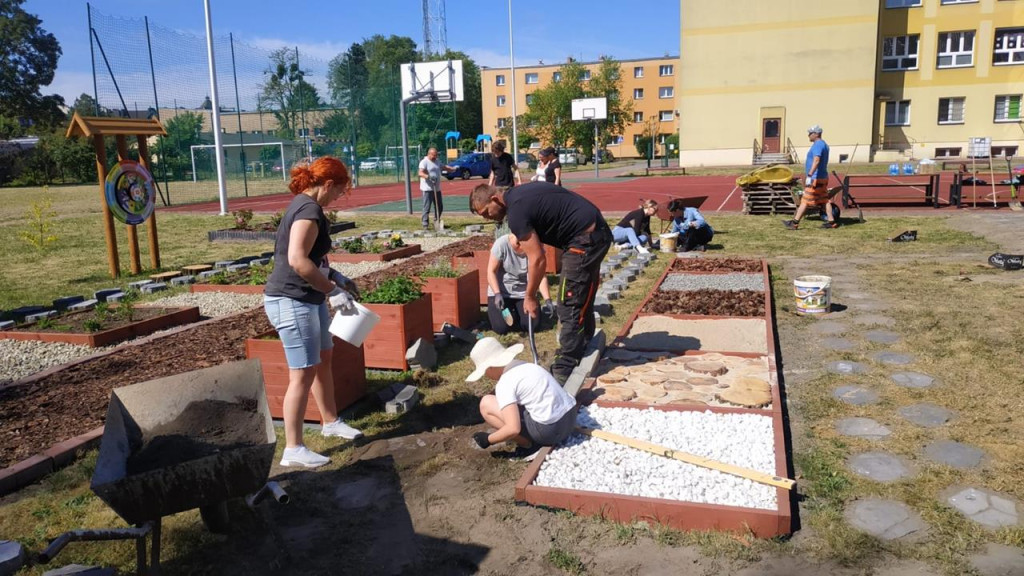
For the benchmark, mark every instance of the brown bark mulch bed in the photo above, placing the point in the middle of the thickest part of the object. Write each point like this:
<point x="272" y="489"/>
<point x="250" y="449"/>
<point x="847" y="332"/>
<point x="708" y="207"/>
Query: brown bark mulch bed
<point x="716" y="265"/>
<point x="708" y="303"/>
<point x="73" y="401"/>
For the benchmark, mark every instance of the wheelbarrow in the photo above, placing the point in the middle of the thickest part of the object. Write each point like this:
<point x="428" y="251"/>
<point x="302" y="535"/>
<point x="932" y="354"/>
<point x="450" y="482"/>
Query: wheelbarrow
<point x="193" y="440"/>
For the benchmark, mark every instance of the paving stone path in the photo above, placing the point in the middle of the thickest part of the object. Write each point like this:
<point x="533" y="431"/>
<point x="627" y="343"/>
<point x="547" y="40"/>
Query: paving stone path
<point x="880" y="466"/>
<point x="828" y="327"/>
<point x="863" y="428"/>
<point x="885" y="519"/>
<point x="841" y="344"/>
<point x="927" y="415"/>
<point x="892" y="358"/>
<point x="856" y="395"/>
<point x="847" y="367"/>
<point x="955" y="454"/>
<point x="990" y="509"/>
<point x="999" y="560"/>
<point x="913" y="379"/>
<point x="882" y="336"/>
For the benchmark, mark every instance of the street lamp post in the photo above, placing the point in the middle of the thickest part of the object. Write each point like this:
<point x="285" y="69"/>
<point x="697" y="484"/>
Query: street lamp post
<point x="512" y="63"/>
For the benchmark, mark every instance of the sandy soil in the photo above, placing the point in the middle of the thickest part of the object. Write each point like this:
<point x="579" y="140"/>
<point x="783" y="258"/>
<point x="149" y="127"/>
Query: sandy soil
<point x="726" y="335"/>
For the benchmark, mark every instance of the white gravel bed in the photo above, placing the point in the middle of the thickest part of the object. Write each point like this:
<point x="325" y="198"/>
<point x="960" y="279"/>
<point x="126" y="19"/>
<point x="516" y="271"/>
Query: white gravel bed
<point x="24" y="357"/>
<point x="212" y="304"/>
<point x="732" y="282"/>
<point x="585" y="463"/>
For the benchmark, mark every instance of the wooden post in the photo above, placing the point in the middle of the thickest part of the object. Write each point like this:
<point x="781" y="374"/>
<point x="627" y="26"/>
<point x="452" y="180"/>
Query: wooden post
<point x="108" y="217"/>
<point x="133" y="234"/>
<point x="154" y="246"/>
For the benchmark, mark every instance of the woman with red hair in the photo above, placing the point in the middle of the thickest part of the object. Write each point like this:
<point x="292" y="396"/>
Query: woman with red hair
<point x="296" y="303"/>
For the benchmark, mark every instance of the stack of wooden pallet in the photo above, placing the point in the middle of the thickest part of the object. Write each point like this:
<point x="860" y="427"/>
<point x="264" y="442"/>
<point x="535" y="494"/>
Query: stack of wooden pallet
<point x="765" y="198"/>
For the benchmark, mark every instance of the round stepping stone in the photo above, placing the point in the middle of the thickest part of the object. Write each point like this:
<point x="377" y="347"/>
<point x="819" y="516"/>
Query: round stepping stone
<point x="847" y="367"/>
<point x="882" y="336"/>
<point x="707" y="367"/>
<point x="610" y="378"/>
<point x="998" y="560"/>
<point x="955" y="454"/>
<point x="990" y="509"/>
<point x="855" y="395"/>
<point x="838" y="344"/>
<point x="927" y="415"/>
<point x="872" y="319"/>
<point x="617" y="393"/>
<point x="676" y="386"/>
<point x="879" y="466"/>
<point x="913" y="379"/>
<point x="651" y="378"/>
<point x="892" y="358"/>
<point x="863" y="428"/>
<point x="748" y="392"/>
<point x="828" y="327"/>
<point x="885" y="519"/>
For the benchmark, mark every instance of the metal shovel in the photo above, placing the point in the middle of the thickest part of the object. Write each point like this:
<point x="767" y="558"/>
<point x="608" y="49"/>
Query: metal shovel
<point x="533" y="343"/>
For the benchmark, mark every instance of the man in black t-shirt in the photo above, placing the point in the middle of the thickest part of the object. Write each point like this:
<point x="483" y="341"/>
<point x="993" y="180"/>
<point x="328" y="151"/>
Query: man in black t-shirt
<point x="541" y="213"/>
<point x="504" y="170"/>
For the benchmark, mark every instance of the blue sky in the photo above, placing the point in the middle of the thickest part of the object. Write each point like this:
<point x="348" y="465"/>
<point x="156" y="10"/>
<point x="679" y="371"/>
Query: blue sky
<point x="548" y="31"/>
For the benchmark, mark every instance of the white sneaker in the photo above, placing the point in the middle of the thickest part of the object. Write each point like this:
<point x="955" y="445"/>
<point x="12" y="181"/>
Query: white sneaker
<point x="341" y="430"/>
<point x="302" y="456"/>
<point x="642" y="250"/>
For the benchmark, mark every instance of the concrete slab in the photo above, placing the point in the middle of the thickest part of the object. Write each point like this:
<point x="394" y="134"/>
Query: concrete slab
<point x="880" y="466"/>
<point x="998" y="560"/>
<point x="840" y="344"/>
<point x="955" y="454"/>
<point x="885" y="519"/>
<point x="12" y="556"/>
<point x="855" y="395"/>
<point x="988" y="508"/>
<point x="183" y="280"/>
<point x="66" y="302"/>
<point x="208" y="273"/>
<point x="892" y="358"/>
<point x="863" y="428"/>
<point x="220" y="264"/>
<point x="137" y="285"/>
<point x="101" y="295"/>
<point x="260" y="262"/>
<point x="238" y="267"/>
<point x="84" y="305"/>
<point x="846" y="367"/>
<point x="927" y="415"/>
<point x="913" y="379"/>
<point x="882" y="336"/>
<point x="6" y="324"/>
<point x="154" y="287"/>
<point x="41" y="315"/>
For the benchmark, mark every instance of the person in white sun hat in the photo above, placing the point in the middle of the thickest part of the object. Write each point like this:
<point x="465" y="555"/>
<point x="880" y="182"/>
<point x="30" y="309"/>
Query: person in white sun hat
<point x="528" y="406"/>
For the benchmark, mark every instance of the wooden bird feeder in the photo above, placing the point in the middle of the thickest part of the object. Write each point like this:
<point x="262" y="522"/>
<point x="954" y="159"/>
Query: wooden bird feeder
<point x="98" y="128"/>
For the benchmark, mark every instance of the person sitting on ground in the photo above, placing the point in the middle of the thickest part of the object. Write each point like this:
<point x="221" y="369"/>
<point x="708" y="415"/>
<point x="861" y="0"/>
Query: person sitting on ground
<point x="694" y="231"/>
<point x="528" y="406"/>
<point x="506" y="287"/>
<point x="635" y="227"/>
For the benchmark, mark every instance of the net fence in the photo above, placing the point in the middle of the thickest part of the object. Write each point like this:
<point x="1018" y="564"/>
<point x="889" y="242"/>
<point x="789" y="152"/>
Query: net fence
<point x="276" y="107"/>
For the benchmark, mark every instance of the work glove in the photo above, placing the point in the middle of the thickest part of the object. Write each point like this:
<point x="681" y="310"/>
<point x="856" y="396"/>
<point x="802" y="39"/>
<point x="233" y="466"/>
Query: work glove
<point x="344" y="282"/>
<point x="481" y="440"/>
<point x="547" y="308"/>
<point x="499" y="302"/>
<point x="341" y="300"/>
<point x="808" y="181"/>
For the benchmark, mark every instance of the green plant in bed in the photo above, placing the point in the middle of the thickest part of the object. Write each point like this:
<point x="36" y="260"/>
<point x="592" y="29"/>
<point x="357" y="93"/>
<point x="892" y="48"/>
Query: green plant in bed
<point x="397" y="290"/>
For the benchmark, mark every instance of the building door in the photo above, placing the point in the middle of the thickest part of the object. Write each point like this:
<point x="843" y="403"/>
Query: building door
<point x="770" y="139"/>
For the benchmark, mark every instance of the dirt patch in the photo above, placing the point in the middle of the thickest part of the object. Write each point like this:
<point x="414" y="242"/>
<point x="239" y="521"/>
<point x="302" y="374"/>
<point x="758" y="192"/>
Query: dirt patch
<point x="715" y="265"/>
<point x="743" y="303"/>
<point x="673" y="334"/>
<point x="202" y="429"/>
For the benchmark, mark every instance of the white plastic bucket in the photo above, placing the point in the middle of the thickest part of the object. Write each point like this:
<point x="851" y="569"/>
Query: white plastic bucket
<point x="668" y="241"/>
<point x="353" y="326"/>
<point x="813" y="294"/>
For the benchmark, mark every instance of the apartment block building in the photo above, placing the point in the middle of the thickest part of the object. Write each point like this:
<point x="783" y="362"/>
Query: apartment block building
<point x="650" y="83"/>
<point x="886" y="79"/>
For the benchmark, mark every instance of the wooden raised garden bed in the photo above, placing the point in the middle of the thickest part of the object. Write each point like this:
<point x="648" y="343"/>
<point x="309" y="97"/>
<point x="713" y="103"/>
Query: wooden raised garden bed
<point x="403" y="252"/>
<point x="347" y="366"/>
<point x="479" y="259"/>
<point x="268" y="235"/>
<point x="400" y="325"/>
<point x="454" y="300"/>
<point x="68" y="327"/>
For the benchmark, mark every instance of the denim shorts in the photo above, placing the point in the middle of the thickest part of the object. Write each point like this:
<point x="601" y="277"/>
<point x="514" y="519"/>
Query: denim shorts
<point x="302" y="328"/>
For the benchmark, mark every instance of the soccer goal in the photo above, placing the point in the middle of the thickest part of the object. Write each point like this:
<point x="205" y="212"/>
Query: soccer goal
<point x="258" y="160"/>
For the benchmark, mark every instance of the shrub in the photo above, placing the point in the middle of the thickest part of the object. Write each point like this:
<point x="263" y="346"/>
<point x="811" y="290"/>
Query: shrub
<point x="353" y="246"/>
<point x="397" y="290"/>
<point x="275" y="219"/>
<point x="37" y="233"/>
<point x="242" y="219"/>
<point x="441" y="268"/>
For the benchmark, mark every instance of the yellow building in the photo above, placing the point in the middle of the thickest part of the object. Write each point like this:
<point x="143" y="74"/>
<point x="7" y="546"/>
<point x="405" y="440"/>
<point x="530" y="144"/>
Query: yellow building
<point x="650" y="83"/>
<point x="891" y="79"/>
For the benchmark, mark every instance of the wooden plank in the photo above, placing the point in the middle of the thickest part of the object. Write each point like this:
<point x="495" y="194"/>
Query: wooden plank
<point x="108" y="218"/>
<point x="103" y="126"/>
<point x="759" y="477"/>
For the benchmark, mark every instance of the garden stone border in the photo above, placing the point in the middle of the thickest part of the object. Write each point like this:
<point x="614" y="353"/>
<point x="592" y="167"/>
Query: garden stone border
<point x="232" y="235"/>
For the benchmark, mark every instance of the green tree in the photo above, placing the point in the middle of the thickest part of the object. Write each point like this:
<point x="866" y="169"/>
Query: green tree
<point x="174" y="150"/>
<point x="287" y="92"/>
<point x="85" y="105"/>
<point x="28" y="60"/>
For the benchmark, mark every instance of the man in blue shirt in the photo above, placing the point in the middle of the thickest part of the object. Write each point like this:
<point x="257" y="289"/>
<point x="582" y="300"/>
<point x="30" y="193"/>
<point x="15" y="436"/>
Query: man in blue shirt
<point x="815" y="181"/>
<point x="694" y="232"/>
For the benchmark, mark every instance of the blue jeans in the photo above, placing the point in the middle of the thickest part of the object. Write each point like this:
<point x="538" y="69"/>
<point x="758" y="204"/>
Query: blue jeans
<point x="302" y="328"/>
<point x="620" y="235"/>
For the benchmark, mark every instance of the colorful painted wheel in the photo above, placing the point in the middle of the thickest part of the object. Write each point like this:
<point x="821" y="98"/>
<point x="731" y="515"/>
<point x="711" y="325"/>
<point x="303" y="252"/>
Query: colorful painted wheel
<point x="130" y="192"/>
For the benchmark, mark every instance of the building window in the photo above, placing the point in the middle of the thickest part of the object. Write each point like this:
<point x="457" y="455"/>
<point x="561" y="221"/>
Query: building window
<point x="638" y="117"/>
<point x="666" y="92"/>
<point x="956" y="49"/>
<point x="531" y="78"/>
<point x="638" y="93"/>
<point x="638" y="71"/>
<point x="951" y="110"/>
<point x="1007" y="151"/>
<point x="900" y="53"/>
<point x="636" y="139"/>
<point x="501" y="100"/>
<point x="585" y="75"/>
<point x="318" y="131"/>
<point x="666" y="70"/>
<point x="897" y="113"/>
<point x="1009" y="46"/>
<point x="501" y="122"/>
<point x="556" y="77"/>
<point x="902" y="3"/>
<point x="665" y="115"/>
<point x="499" y="80"/>
<point x="257" y="132"/>
<point x="529" y="99"/>
<point x="616" y="140"/>
<point x="947" y="152"/>
<point x="959" y="1"/>
<point x="1008" y="108"/>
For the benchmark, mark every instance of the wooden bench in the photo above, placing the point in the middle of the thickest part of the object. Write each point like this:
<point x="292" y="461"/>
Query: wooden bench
<point x="928" y="182"/>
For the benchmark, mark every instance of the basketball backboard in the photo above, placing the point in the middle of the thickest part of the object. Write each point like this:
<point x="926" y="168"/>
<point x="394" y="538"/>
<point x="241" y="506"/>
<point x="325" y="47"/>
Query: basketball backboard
<point x="432" y="81"/>
<point x="590" y="109"/>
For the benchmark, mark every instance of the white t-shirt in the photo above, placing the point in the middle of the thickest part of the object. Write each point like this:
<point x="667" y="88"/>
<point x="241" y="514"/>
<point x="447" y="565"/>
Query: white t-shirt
<point x="536" y="390"/>
<point x="434" y="170"/>
<point x="512" y="270"/>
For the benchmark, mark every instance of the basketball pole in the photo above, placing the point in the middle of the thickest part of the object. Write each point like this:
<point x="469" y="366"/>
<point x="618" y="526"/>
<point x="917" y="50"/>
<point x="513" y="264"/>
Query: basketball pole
<point x="597" y="153"/>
